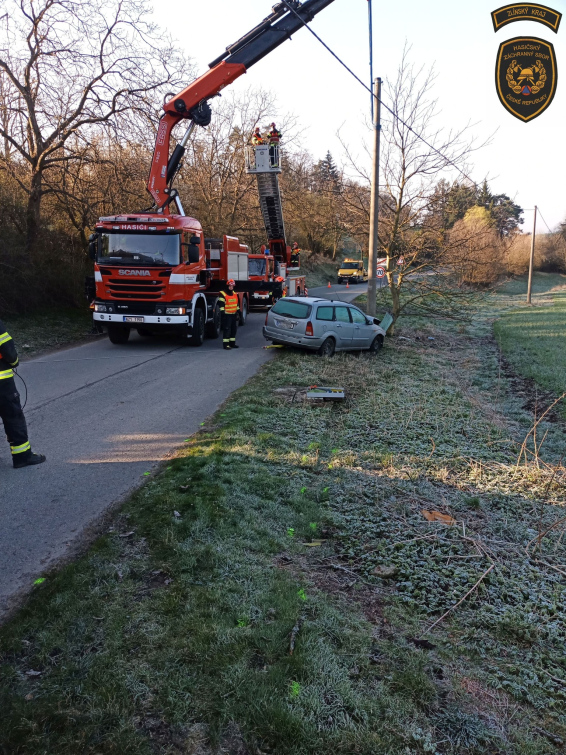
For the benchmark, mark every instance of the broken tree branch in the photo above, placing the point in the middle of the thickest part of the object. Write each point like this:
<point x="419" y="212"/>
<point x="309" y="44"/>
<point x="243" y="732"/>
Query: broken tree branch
<point x="470" y="591"/>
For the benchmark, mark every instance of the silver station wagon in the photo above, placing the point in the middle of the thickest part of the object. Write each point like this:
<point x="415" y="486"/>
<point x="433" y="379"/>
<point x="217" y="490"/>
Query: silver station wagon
<point x="322" y="325"/>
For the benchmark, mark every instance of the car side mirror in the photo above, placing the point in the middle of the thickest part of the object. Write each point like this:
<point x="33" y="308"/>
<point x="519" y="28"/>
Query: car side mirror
<point x="93" y="246"/>
<point x="376" y="321"/>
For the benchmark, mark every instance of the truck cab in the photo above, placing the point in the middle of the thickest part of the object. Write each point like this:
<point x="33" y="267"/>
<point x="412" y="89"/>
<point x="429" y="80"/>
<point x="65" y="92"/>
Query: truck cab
<point x="352" y="271"/>
<point x="264" y="268"/>
<point x="157" y="272"/>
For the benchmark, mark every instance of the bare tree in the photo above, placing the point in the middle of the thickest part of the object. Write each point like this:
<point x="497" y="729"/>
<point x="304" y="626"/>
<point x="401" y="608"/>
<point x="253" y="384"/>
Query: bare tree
<point x="213" y="182"/>
<point x="69" y="70"/>
<point x="411" y="237"/>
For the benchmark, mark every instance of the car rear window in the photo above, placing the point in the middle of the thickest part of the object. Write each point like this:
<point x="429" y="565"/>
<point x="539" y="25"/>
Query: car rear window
<point x="325" y="313"/>
<point x="289" y="308"/>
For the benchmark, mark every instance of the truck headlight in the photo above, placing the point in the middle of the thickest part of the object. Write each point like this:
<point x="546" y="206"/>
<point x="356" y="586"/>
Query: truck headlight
<point x="100" y="307"/>
<point x="175" y="311"/>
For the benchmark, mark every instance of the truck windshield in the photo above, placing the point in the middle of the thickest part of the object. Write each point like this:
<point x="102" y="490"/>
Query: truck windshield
<point x="350" y="266"/>
<point x="256" y="267"/>
<point x="139" y="248"/>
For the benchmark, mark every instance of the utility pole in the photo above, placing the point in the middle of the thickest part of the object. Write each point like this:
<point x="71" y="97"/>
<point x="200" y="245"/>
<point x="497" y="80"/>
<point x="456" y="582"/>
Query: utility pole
<point x="374" y="207"/>
<point x="370" y="25"/>
<point x="532" y="258"/>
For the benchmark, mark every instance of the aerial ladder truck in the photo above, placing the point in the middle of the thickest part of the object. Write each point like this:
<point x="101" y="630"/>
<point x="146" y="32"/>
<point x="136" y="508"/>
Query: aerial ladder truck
<point x="264" y="160"/>
<point x="155" y="270"/>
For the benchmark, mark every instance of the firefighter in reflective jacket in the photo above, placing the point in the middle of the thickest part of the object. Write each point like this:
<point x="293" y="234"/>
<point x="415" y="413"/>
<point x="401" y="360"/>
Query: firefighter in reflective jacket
<point x="257" y="138"/>
<point x="295" y="255"/>
<point x="229" y="307"/>
<point x="273" y="138"/>
<point x="10" y="407"/>
<point x="273" y="135"/>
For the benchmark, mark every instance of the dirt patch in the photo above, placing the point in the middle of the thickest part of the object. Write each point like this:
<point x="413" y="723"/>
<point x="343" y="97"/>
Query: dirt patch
<point x="291" y="393"/>
<point x="534" y="399"/>
<point x="331" y="577"/>
<point x="194" y="740"/>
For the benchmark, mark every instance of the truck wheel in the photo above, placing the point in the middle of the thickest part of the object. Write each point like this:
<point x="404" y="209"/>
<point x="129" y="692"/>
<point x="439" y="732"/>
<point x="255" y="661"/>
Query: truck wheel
<point x="213" y="327"/>
<point x="197" y="336"/>
<point x="243" y="312"/>
<point x="118" y="334"/>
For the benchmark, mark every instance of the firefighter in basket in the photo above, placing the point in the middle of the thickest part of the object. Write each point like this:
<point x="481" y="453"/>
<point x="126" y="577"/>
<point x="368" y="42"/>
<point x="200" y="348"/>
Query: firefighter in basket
<point x="230" y="308"/>
<point x="10" y="407"/>
<point x="273" y="139"/>
<point x="295" y="255"/>
<point x="257" y="138"/>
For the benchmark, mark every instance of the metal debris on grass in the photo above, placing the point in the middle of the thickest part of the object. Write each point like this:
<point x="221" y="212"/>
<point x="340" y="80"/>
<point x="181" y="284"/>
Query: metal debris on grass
<point x="325" y="393"/>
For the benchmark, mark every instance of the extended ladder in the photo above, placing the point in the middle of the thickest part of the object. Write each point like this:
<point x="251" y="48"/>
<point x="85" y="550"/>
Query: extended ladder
<point x="264" y="161"/>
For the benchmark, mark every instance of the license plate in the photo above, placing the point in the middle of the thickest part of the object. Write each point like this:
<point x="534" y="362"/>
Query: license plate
<point x="284" y="325"/>
<point x="133" y="319"/>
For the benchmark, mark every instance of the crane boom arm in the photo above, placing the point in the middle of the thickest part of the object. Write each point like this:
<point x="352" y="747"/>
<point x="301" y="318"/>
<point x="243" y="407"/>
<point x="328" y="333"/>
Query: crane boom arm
<point x="192" y="103"/>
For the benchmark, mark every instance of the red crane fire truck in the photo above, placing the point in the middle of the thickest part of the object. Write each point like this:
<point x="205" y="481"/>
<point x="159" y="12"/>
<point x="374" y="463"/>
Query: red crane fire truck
<point x="155" y="270"/>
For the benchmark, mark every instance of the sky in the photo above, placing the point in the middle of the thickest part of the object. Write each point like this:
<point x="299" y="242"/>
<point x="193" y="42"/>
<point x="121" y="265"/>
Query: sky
<point x="527" y="161"/>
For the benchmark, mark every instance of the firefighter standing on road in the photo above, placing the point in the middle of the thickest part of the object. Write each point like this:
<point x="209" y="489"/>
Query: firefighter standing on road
<point x="10" y="407"/>
<point x="295" y="255"/>
<point x="229" y="307"/>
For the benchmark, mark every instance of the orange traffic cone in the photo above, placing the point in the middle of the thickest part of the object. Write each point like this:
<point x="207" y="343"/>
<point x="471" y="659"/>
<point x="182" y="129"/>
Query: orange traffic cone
<point x="347" y="284"/>
<point x="329" y="286"/>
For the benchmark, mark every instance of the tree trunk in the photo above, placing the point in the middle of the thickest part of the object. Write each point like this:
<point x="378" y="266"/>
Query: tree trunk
<point x="33" y="213"/>
<point x="395" y="301"/>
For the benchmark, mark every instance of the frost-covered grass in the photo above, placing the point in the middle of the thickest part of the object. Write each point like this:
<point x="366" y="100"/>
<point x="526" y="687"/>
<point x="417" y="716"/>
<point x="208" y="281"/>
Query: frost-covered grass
<point x="51" y="329"/>
<point x="534" y="338"/>
<point x="285" y="522"/>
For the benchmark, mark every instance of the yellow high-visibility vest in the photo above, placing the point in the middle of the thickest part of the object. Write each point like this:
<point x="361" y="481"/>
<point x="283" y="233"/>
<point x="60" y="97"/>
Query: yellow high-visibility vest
<point x="229" y="303"/>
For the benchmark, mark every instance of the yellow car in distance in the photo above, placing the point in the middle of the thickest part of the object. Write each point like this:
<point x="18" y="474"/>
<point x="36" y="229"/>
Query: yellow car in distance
<point x="352" y="271"/>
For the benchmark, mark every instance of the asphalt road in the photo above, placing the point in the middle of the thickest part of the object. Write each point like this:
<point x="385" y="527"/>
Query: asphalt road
<point x="342" y="293"/>
<point x="104" y="415"/>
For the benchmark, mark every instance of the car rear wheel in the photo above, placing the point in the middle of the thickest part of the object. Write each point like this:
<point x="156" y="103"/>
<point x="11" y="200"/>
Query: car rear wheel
<point x="376" y="345"/>
<point x="118" y="334"/>
<point x="327" y="348"/>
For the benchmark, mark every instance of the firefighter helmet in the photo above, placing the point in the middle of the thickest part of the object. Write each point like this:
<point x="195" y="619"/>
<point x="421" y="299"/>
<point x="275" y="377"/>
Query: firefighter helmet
<point x="231" y="282"/>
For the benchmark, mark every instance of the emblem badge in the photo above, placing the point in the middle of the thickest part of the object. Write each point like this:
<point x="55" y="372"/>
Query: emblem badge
<point x="526" y="76"/>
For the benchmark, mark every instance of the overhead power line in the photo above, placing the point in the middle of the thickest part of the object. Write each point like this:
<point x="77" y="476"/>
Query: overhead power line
<point x="428" y="144"/>
<point x="543" y="220"/>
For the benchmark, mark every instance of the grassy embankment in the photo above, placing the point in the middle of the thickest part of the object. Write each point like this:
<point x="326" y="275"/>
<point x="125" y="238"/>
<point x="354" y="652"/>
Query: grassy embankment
<point x="319" y="270"/>
<point x="288" y="523"/>
<point x="533" y="338"/>
<point x="52" y="329"/>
